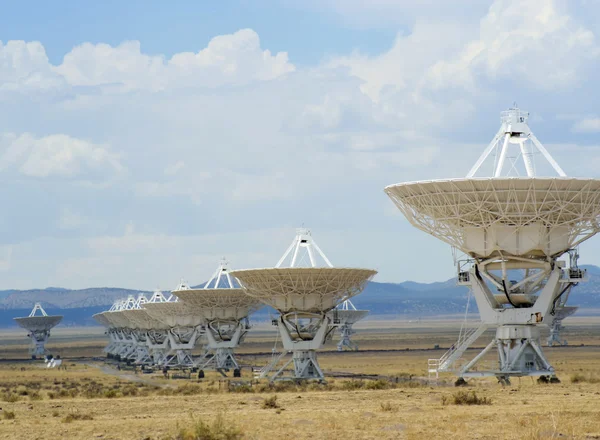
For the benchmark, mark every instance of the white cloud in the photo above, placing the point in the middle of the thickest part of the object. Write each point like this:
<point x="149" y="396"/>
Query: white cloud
<point x="57" y="155"/>
<point x="25" y="66"/>
<point x="216" y="169"/>
<point x="228" y="59"/>
<point x="531" y="40"/>
<point x="587" y="125"/>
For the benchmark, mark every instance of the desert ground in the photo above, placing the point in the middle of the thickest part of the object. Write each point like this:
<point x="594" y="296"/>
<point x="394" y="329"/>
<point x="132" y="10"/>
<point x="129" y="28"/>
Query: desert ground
<point x="379" y="392"/>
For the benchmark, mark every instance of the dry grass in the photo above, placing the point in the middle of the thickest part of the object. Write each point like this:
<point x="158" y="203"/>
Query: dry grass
<point x="75" y="416"/>
<point x="219" y="429"/>
<point x="465" y="398"/>
<point x="123" y="405"/>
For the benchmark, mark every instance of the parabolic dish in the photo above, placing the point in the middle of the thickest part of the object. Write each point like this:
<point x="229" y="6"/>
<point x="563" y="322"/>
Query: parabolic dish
<point x="174" y="314"/>
<point x="565" y="311"/>
<point x="519" y="216"/>
<point x="299" y="289"/>
<point x="102" y="320"/>
<point x="39" y="323"/>
<point x="349" y="316"/>
<point x="141" y="320"/>
<point x="226" y="304"/>
<point x="118" y="319"/>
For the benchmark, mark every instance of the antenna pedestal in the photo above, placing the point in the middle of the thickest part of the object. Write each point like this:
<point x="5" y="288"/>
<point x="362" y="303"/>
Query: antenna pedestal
<point x="113" y="344"/>
<point x="554" y="337"/>
<point x="223" y="338"/>
<point x="141" y="354"/>
<point x="302" y="335"/>
<point x="127" y="345"/>
<point x="181" y="343"/>
<point x="158" y="344"/>
<point x="38" y="342"/>
<point x="517" y="340"/>
<point x="346" y="332"/>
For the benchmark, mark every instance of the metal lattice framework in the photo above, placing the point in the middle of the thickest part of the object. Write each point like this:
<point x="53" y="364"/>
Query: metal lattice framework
<point x="174" y="314"/>
<point x="296" y="289"/>
<point x="215" y="302"/>
<point x="226" y="304"/>
<point x="529" y="217"/>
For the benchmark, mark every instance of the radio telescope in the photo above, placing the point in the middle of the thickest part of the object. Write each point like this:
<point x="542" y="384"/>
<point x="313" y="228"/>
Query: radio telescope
<point x="225" y="307"/>
<point x="150" y="334"/>
<point x="303" y="296"/>
<point x="157" y="338"/>
<point x="184" y="328"/>
<point x="39" y="327"/>
<point x="513" y="227"/>
<point x="347" y="315"/>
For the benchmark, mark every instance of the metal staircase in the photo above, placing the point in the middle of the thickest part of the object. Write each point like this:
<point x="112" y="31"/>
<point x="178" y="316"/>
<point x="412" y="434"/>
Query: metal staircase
<point x="466" y="339"/>
<point x="262" y="373"/>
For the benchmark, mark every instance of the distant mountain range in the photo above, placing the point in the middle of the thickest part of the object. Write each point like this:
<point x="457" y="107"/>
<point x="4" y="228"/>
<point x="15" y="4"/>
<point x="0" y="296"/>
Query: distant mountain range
<point x="407" y="299"/>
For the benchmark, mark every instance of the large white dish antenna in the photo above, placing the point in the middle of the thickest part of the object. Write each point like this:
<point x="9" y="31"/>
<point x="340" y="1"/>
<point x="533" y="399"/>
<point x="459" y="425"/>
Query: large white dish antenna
<point x="174" y="314"/>
<point x="299" y="289"/>
<point x="529" y="217"/>
<point x="38" y="323"/>
<point x="102" y="319"/>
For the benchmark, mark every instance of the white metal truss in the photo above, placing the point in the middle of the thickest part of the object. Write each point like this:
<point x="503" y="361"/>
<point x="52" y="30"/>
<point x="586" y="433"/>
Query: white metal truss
<point x="303" y="297"/>
<point x="303" y="246"/>
<point x="226" y="308"/>
<point x="39" y="326"/>
<point x="514" y="134"/>
<point x="184" y="329"/>
<point x="519" y="216"/>
<point x="514" y="229"/>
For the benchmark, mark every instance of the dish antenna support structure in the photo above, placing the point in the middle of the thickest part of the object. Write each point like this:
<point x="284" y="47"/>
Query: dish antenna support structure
<point x="126" y="343"/>
<point x="149" y="333"/>
<point x="225" y="308"/>
<point x="185" y="327"/>
<point x="39" y="324"/>
<point x="157" y="338"/>
<point x="303" y="296"/>
<point x="513" y="229"/>
<point x="562" y="312"/>
<point x="347" y="315"/>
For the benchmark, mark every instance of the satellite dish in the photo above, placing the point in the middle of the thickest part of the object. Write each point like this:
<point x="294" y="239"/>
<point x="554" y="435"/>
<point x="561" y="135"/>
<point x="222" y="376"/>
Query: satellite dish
<point x="39" y="324"/>
<point x="513" y="222"/>
<point x="225" y="308"/>
<point x="347" y="315"/>
<point x="303" y="296"/>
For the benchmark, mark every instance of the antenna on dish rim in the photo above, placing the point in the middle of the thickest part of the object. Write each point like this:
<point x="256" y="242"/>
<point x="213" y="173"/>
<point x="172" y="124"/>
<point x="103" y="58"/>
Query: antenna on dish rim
<point x="303" y="240"/>
<point x="514" y="131"/>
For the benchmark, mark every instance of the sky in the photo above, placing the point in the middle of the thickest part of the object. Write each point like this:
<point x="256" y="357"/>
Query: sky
<point x="141" y="142"/>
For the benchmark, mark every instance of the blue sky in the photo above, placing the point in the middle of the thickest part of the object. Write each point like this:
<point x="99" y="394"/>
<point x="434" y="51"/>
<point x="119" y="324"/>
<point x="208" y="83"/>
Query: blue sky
<point x="171" y="27"/>
<point x="142" y="141"/>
